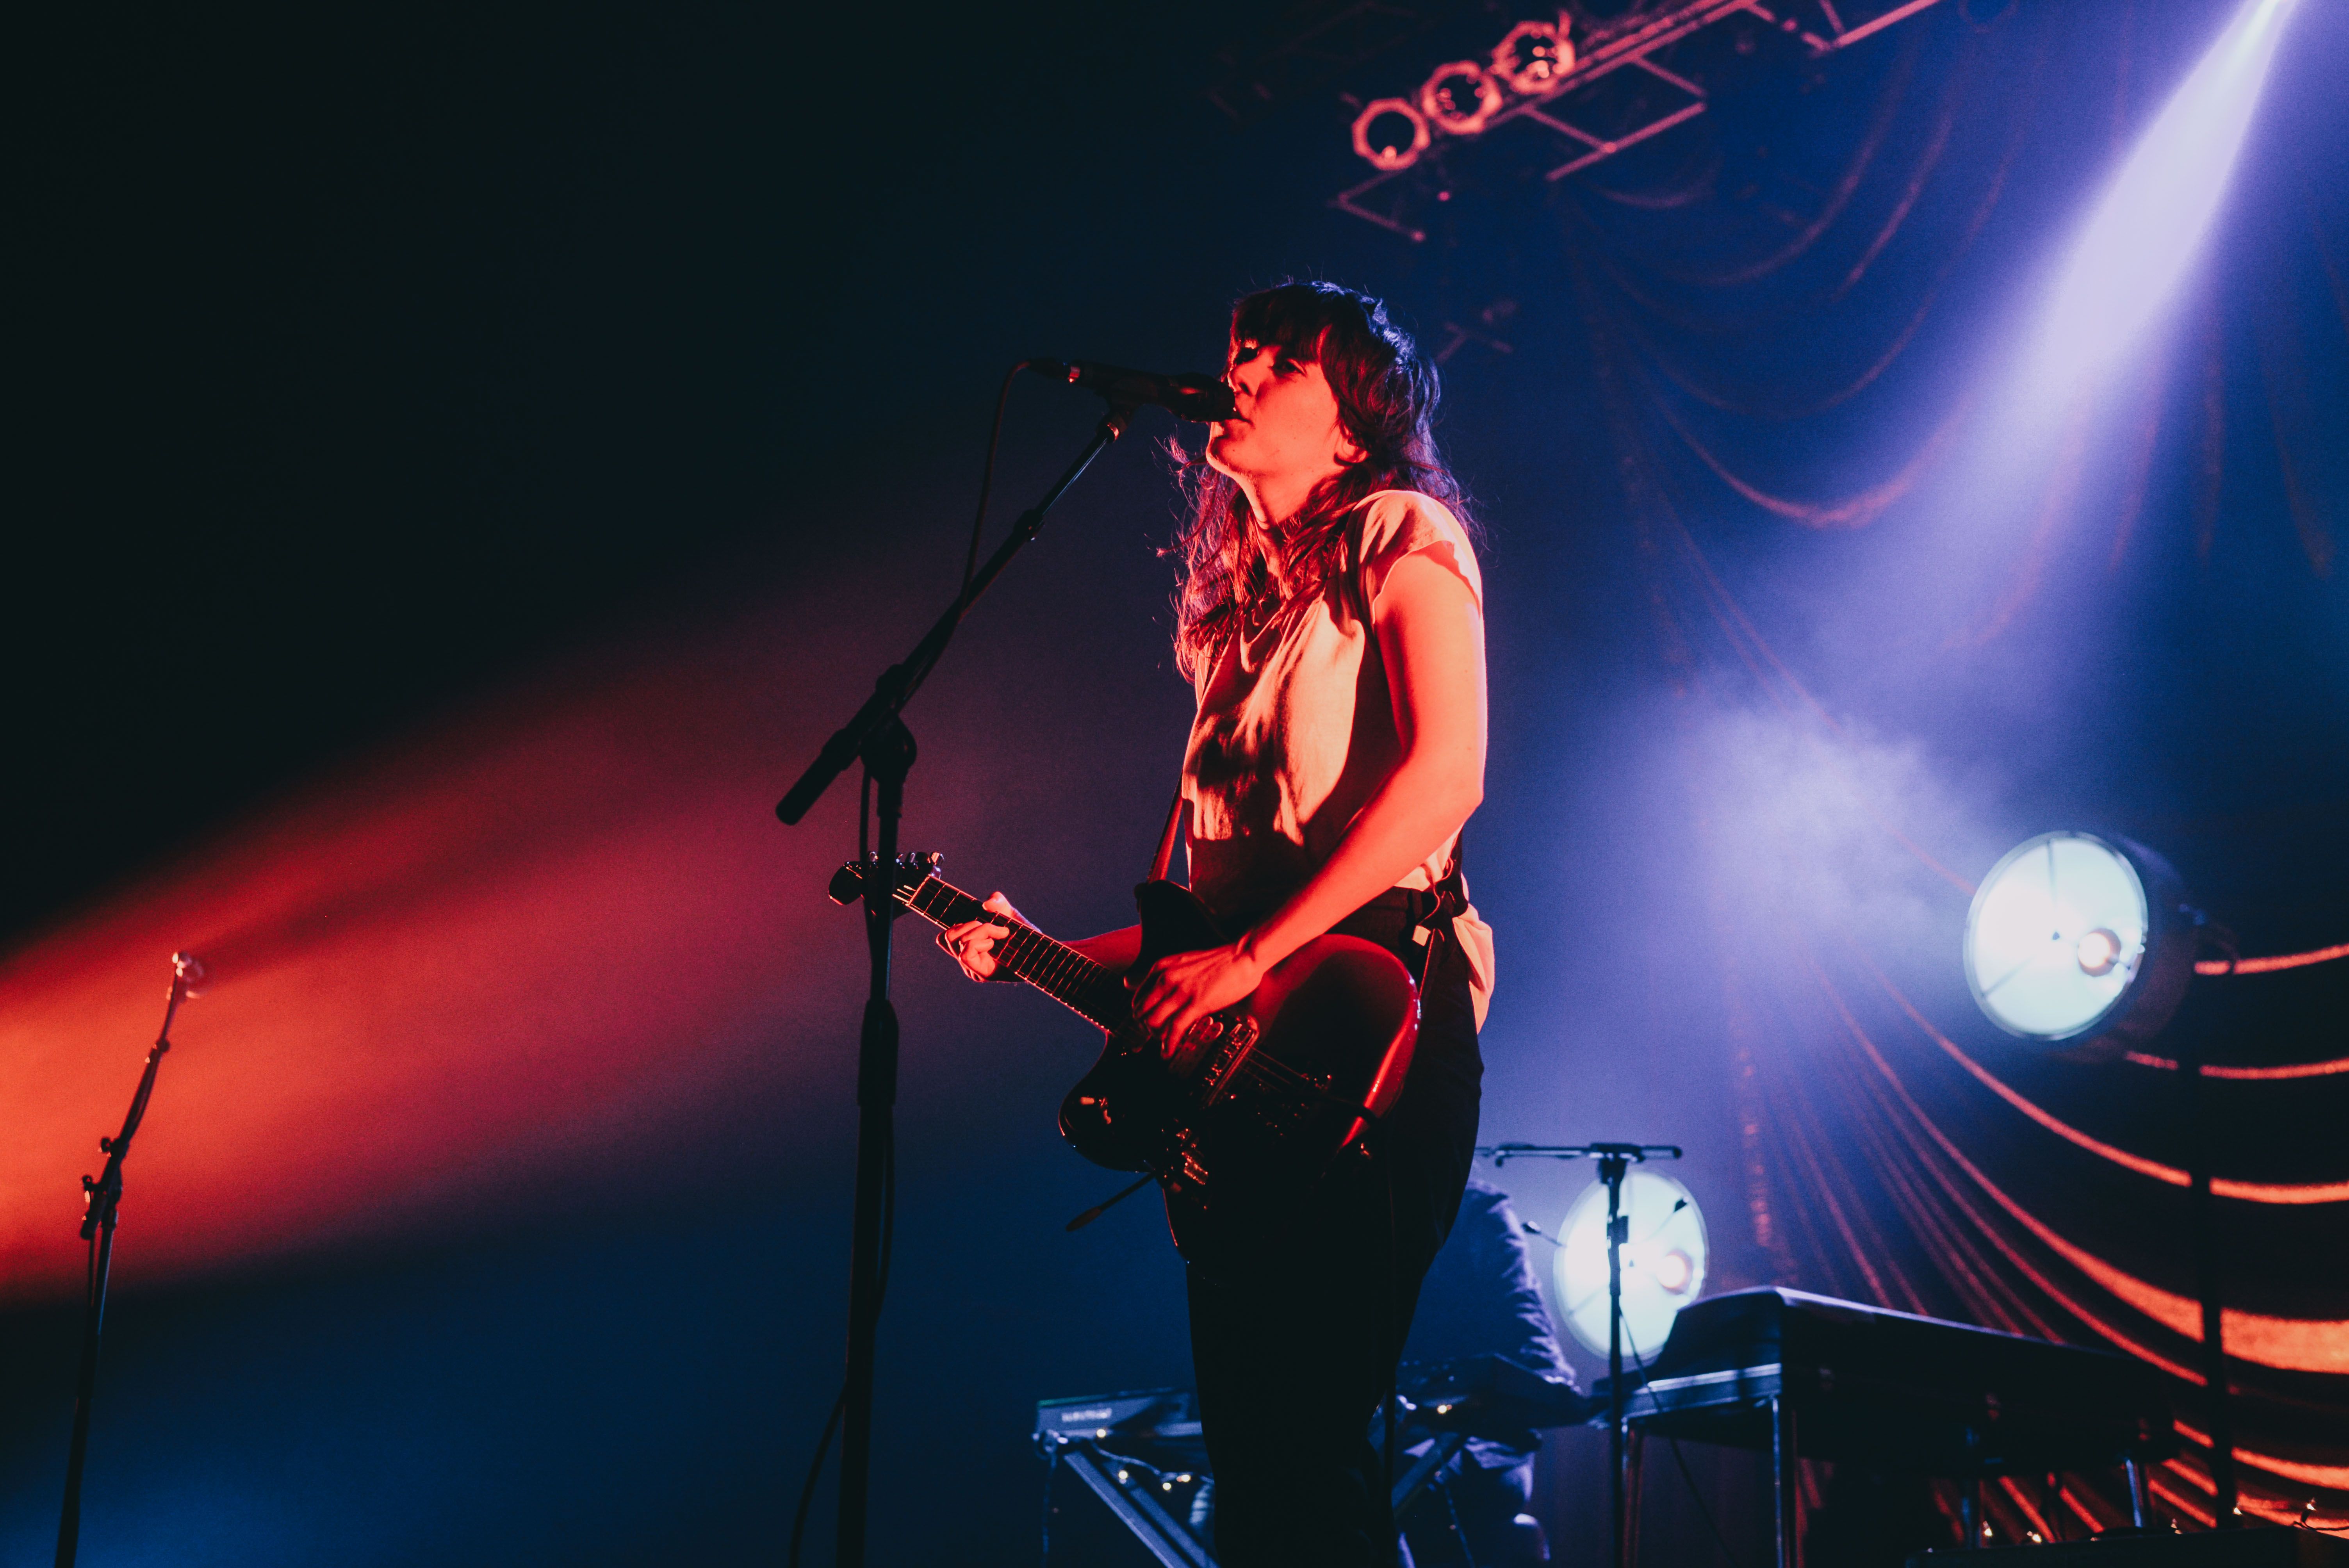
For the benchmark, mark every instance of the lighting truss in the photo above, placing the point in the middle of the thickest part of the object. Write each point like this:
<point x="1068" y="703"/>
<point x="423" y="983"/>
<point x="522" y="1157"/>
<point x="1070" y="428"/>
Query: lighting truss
<point x="1568" y="104"/>
<point x="1324" y="42"/>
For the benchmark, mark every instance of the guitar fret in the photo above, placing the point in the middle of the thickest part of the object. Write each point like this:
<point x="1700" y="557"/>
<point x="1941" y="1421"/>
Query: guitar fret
<point x="1024" y="947"/>
<point x="935" y="900"/>
<point x="1060" y="970"/>
<point x="1059" y="965"/>
<point x="1039" y="960"/>
<point x="1055" y="969"/>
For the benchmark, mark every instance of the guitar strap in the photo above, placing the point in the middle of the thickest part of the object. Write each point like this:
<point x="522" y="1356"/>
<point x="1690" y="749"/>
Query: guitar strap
<point x="1164" y="860"/>
<point x="1432" y="911"/>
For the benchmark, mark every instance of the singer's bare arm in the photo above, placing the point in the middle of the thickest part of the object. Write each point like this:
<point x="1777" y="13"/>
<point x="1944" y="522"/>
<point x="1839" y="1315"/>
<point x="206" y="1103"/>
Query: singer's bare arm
<point x="1431" y="636"/>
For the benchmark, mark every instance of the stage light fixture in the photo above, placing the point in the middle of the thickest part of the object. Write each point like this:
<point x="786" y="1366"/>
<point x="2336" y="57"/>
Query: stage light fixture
<point x="1391" y="132"/>
<point x="1459" y="97"/>
<point x="2074" y="938"/>
<point x="1534" y="56"/>
<point x="1663" y="1261"/>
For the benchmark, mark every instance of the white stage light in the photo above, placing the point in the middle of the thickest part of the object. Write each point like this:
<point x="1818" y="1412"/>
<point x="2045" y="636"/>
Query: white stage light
<point x="2072" y="935"/>
<point x="1663" y="1262"/>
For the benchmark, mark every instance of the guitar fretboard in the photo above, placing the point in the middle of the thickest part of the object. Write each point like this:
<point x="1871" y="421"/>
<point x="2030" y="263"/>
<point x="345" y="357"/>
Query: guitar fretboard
<point x="1094" y="992"/>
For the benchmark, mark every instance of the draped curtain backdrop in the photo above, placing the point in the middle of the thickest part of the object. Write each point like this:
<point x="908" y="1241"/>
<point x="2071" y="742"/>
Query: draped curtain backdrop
<point x="1891" y="659"/>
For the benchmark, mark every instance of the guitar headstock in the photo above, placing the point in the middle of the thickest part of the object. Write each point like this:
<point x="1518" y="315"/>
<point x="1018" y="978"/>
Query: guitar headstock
<point x="913" y="868"/>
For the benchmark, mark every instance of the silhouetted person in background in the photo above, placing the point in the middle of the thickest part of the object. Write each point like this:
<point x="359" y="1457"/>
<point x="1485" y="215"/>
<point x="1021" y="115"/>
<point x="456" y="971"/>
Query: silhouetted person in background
<point x="1480" y="1299"/>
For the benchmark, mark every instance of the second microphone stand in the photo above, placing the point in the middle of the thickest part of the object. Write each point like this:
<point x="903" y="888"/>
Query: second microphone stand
<point x="104" y="1194"/>
<point x="1615" y="1162"/>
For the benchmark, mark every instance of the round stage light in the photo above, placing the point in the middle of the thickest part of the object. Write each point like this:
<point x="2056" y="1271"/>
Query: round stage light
<point x="1460" y="97"/>
<point x="1391" y="133"/>
<point x="1534" y="56"/>
<point x="1673" y="1272"/>
<point x="1663" y="1261"/>
<point x="2072" y="935"/>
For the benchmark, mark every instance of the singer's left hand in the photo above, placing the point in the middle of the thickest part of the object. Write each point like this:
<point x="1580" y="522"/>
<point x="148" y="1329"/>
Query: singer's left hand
<point x="1184" y="988"/>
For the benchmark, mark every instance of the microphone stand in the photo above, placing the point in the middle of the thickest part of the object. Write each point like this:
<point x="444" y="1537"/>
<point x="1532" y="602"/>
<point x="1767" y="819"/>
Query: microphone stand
<point x="2217" y="1380"/>
<point x="879" y="738"/>
<point x="1615" y="1162"/>
<point x="104" y="1196"/>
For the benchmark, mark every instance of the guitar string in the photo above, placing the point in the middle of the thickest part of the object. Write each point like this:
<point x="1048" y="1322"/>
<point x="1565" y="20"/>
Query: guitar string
<point x="1048" y="964"/>
<point x="1053" y="967"/>
<point x="1064" y="974"/>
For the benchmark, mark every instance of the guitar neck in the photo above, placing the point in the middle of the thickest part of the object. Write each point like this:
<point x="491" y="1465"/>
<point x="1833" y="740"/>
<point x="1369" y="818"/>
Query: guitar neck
<point x="1086" y="988"/>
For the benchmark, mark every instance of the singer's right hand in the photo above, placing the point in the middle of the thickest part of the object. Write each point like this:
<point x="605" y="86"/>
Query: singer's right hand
<point x="972" y="944"/>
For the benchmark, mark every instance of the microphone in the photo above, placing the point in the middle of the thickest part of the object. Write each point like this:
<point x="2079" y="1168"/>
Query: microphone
<point x="190" y="972"/>
<point x="1190" y="394"/>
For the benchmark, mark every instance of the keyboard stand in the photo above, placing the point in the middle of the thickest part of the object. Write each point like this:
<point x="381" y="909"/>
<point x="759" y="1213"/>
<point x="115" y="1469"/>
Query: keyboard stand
<point x="1168" y="1539"/>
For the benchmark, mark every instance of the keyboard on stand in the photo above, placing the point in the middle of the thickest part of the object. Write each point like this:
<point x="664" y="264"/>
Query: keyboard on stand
<point x="1805" y="1375"/>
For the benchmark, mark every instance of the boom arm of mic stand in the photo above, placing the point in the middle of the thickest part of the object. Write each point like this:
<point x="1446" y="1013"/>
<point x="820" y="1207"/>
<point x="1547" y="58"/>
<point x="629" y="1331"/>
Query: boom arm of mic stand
<point x="895" y="687"/>
<point x="1502" y="1153"/>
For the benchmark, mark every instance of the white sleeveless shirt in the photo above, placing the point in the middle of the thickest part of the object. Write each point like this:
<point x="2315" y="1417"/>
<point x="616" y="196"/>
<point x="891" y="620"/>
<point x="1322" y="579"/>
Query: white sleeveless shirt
<point x="1296" y="730"/>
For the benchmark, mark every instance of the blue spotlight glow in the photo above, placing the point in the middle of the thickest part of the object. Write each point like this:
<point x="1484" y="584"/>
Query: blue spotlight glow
<point x="2150" y="222"/>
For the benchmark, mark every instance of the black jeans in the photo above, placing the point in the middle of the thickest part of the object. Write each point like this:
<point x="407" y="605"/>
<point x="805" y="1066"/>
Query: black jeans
<point x="1294" y="1354"/>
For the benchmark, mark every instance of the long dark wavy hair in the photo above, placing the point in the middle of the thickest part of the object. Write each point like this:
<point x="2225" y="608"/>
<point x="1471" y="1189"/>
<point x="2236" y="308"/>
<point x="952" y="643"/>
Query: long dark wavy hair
<point x="1386" y="406"/>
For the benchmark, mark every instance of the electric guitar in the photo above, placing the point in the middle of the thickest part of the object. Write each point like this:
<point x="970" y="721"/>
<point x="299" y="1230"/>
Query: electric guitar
<point x="1259" y="1099"/>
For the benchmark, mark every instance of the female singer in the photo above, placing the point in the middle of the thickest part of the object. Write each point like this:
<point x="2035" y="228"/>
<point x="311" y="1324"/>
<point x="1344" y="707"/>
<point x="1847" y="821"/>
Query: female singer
<point x="1331" y="620"/>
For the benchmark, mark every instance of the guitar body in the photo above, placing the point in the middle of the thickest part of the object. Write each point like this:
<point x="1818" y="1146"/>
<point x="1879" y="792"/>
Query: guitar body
<point x="1275" y="1091"/>
<point x="1263" y="1097"/>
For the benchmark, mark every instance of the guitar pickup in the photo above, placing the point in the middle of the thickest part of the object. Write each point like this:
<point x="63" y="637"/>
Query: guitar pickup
<point x="1239" y="1039"/>
<point x="1185" y="1169"/>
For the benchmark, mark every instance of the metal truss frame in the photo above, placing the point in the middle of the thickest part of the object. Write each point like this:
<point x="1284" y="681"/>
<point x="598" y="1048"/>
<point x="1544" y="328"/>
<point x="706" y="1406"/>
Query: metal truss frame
<point x="1632" y="43"/>
<point x="1343" y="37"/>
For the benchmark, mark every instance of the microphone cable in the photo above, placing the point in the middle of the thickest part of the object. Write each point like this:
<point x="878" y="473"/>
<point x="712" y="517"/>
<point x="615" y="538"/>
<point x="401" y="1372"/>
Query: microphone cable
<point x="840" y="1405"/>
<point x="864" y="852"/>
<point x="914" y="678"/>
<point x="888" y="1192"/>
<point x="1680" y="1460"/>
<point x="987" y="474"/>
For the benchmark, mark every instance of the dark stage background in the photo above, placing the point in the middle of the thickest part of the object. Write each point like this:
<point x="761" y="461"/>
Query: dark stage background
<point x="462" y="465"/>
